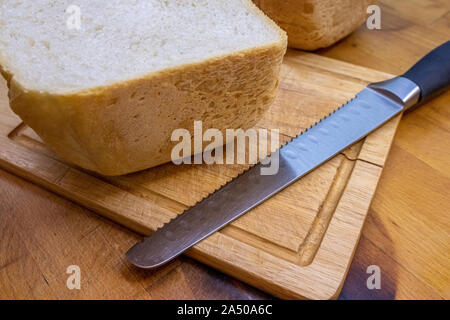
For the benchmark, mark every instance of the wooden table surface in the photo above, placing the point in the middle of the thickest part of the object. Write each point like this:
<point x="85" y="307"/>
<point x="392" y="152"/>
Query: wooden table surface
<point x="407" y="233"/>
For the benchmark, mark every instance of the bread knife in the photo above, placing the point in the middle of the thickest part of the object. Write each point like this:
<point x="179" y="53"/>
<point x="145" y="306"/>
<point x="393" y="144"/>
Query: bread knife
<point x="371" y="108"/>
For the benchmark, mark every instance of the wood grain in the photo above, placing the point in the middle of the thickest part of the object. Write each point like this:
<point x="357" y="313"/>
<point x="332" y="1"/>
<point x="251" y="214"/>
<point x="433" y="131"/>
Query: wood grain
<point x="298" y="244"/>
<point x="407" y="232"/>
<point x="406" y="219"/>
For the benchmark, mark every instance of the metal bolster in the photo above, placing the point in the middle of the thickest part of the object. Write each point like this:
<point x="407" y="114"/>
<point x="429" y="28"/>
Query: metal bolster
<point x="399" y="89"/>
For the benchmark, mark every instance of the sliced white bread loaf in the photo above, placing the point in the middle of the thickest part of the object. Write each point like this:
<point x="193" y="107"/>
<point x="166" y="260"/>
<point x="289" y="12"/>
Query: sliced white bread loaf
<point x="108" y="95"/>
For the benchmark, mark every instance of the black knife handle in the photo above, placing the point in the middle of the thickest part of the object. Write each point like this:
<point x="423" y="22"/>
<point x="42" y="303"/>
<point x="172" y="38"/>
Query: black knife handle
<point x="432" y="72"/>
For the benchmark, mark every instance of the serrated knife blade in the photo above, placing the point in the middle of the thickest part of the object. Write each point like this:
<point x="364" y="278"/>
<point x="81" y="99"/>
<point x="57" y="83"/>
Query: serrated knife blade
<point x="371" y="108"/>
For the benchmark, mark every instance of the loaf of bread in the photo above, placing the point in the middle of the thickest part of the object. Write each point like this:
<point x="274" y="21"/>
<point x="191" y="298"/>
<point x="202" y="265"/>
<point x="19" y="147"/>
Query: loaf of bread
<point x="105" y="83"/>
<point x="314" y="24"/>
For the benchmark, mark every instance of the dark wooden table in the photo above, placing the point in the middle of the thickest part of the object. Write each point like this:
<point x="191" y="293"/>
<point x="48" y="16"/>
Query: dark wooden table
<point x="407" y="233"/>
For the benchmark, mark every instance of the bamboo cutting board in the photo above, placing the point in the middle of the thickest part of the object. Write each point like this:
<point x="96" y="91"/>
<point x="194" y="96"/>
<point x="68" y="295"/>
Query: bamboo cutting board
<point x="298" y="244"/>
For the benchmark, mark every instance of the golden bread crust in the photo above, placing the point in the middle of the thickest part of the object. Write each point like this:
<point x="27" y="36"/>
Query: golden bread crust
<point x="126" y="126"/>
<point x="314" y="24"/>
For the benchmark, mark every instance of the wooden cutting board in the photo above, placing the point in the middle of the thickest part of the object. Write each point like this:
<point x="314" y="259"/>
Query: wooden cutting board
<point x="298" y="244"/>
